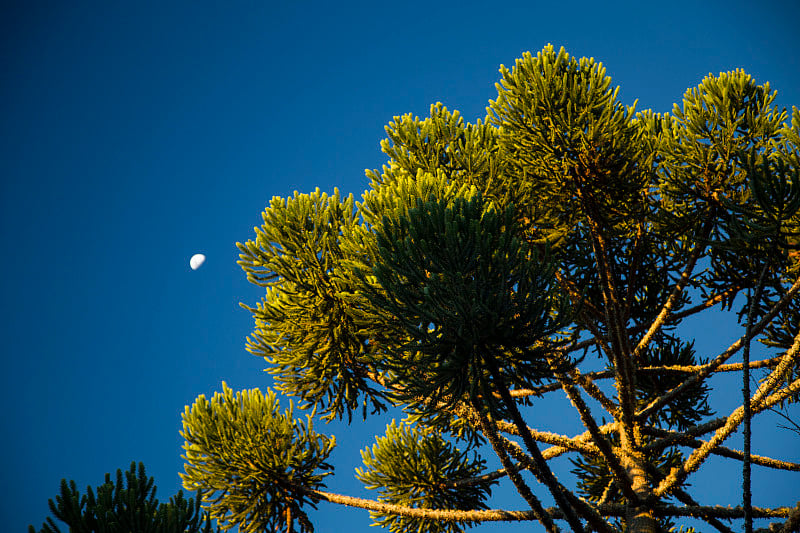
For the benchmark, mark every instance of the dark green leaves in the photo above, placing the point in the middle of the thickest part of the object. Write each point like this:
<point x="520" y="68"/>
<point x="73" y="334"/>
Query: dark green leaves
<point x="465" y="289"/>
<point x="417" y="468"/>
<point x="252" y="461"/>
<point x="690" y="407"/>
<point x="124" y="506"/>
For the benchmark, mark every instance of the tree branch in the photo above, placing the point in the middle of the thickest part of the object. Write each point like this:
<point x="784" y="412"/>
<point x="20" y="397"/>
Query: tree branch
<point x="709" y="368"/>
<point x="500" y="515"/>
<point x="606" y="374"/>
<point x="686" y="499"/>
<point x="621" y="476"/>
<point x="693" y="462"/>
<point x="675" y="437"/>
<point x="686" y="275"/>
<point x="542" y="470"/>
<point x="488" y="428"/>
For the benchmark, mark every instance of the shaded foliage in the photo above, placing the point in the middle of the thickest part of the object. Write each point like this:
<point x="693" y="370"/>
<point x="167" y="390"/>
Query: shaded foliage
<point x="127" y="504"/>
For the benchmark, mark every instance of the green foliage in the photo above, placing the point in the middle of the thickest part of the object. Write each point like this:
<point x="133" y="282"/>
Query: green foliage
<point x="691" y="407"/>
<point x="442" y="143"/>
<point x="419" y="469"/>
<point x="127" y="505"/>
<point x="465" y="289"/>
<point x="573" y="149"/>
<point x="304" y="327"/>
<point x="720" y="120"/>
<point x="480" y="259"/>
<point x="251" y="461"/>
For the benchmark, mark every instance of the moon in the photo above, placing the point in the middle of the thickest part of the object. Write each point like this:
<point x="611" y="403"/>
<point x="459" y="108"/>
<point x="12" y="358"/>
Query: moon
<point x="197" y="261"/>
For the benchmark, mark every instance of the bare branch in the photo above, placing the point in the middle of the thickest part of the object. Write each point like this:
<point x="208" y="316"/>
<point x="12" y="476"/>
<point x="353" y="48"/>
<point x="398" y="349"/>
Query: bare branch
<point x="500" y="515"/>
<point x="624" y="481"/>
<point x="709" y="368"/>
<point x="675" y="437"/>
<point x="686" y="499"/>
<point x="686" y="275"/>
<point x="488" y="428"/>
<point x="688" y="369"/>
<point x="693" y="462"/>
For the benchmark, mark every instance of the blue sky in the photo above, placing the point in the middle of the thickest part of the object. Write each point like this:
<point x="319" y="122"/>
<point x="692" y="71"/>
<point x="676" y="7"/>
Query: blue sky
<point x="135" y="134"/>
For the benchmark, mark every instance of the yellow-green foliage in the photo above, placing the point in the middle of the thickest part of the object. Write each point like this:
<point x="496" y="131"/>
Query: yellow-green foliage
<point x="251" y="460"/>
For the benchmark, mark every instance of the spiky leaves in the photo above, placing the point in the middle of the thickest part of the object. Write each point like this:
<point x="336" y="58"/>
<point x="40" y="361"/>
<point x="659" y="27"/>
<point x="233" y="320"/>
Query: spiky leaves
<point x="703" y="162"/>
<point x="465" y="289"/>
<point x="419" y="469"/>
<point x="252" y="461"/>
<point x="304" y="325"/>
<point x="574" y="149"/>
<point x="125" y="505"/>
<point x="466" y="154"/>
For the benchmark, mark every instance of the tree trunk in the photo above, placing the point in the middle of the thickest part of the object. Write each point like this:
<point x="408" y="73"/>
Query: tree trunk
<point x="639" y="519"/>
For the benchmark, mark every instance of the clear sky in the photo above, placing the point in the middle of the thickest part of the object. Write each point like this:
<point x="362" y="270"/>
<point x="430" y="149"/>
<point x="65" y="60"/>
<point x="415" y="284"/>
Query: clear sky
<point x="134" y="134"/>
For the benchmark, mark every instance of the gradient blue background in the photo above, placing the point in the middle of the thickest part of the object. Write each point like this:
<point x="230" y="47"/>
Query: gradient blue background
<point x="134" y="134"/>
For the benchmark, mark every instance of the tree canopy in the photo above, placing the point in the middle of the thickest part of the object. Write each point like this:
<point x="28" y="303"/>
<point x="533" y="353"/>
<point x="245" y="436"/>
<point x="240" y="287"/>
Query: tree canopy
<point x="556" y="246"/>
<point x="126" y="505"/>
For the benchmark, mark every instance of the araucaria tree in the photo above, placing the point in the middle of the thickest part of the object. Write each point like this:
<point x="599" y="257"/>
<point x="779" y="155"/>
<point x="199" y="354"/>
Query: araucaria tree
<point x="128" y="505"/>
<point x="554" y="248"/>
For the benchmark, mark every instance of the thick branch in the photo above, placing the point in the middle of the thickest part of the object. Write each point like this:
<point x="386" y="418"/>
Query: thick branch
<point x="542" y="470"/>
<point x="686" y="499"/>
<point x="500" y="515"/>
<point x="593" y="390"/>
<point x="488" y="428"/>
<point x="621" y="476"/>
<point x="580" y="443"/>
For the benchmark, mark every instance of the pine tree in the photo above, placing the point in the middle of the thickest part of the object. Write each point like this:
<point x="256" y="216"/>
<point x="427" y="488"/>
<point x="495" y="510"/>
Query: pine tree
<point x="126" y="505"/>
<point x="490" y="264"/>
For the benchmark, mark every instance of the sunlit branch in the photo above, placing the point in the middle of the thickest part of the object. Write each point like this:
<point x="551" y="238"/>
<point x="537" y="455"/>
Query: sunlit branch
<point x="788" y="362"/>
<point x="594" y="516"/>
<point x="606" y="374"/>
<point x="686" y="275"/>
<point x="487" y="426"/>
<point x="674" y="437"/>
<point x="709" y="368"/>
<point x="541" y="470"/>
<point x="732" y="367"/>
<point x="624" y="481"/>
<point x="500" y="515"/>
<point x="593" y="390"/>
<point x="693" y="462"/>
<point x="686" y="499"/>
<point x="581" y="443"/>
<point x="710" y="302"/>
<point x="671" y="319"/>
<point x="619" y="336"/>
